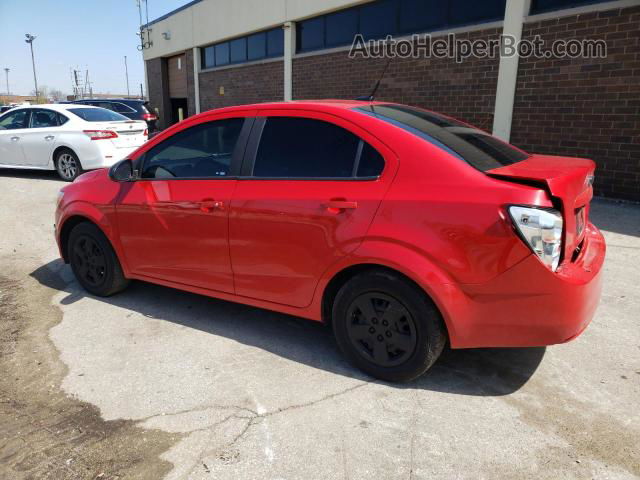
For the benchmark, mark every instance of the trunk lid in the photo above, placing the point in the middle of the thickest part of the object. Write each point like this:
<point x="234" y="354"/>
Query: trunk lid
<point x="568" y="180"/>
<point x="130" y="132"/>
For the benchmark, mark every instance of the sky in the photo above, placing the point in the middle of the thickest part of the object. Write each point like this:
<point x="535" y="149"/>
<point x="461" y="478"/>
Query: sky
<point x="74" y="34"/>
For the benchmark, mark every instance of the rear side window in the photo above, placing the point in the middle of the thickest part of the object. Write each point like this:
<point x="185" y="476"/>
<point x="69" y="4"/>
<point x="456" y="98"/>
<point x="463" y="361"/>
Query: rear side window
<point x="205" y="150"/>
<point x="479" y="149"/>
<point x="43" y="119"/>
<point x="292" y="147"/>
<point x="97" y="115"/>
<point x="121" y="108"/>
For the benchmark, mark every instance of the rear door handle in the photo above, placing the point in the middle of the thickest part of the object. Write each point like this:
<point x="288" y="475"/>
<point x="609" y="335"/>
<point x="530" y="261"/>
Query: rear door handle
<point x="15" y="139"/>
<point x="340" y="205"/>
<point x="49" y="138"/>
<point x="209" y="205"/>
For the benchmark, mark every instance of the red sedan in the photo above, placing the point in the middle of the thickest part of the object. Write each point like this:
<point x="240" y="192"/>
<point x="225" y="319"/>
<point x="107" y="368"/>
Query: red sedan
<point x="400" y="227"/>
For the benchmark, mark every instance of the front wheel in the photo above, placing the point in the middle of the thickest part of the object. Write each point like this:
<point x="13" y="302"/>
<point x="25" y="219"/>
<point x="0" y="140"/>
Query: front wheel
<point x="388" y="327"/>
<point x="68" y="165"/>
<point x="94" y="262"/>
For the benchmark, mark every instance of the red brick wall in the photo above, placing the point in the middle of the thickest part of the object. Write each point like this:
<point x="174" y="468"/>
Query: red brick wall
<point x="243" y="84"/>
<point x="586" y="107"/>
<point x="464" y="90"/>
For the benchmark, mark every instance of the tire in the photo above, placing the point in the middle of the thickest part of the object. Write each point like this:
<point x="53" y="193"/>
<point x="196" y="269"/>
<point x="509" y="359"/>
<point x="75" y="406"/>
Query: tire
<point x="387" y="326"/>
<point x="68" y="165"/>
<point x="94" y="262"/>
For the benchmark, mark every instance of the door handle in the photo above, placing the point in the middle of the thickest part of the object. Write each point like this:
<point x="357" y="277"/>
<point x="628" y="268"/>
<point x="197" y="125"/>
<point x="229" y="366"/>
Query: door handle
<point x="208" y="205"/>
<point x="335" y="205"/>
<point x="15" y="139"/>
<point x="49" y="137"/>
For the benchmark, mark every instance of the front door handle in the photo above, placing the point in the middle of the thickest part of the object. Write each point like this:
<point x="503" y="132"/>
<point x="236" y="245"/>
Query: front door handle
<point x="336" y="205"/>
<point x="209" y="205"/>
<point x="48" y="138"/>
<point x="15" y="139"/>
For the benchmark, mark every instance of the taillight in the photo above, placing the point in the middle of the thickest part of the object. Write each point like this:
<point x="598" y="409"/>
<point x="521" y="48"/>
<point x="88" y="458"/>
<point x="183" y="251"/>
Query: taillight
<point x="149" y="117"/>
<point x="541" y="230"/>
<point x="146" y="132"/>
<point x="100" y="134"/>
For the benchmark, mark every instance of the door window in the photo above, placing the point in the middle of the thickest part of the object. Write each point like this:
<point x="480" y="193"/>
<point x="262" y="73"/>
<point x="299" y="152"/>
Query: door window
<point x="205" y="150"/>
<point x="43" y="119"/>
<point x="307" y="148"/>
<point x="15" y="120"/>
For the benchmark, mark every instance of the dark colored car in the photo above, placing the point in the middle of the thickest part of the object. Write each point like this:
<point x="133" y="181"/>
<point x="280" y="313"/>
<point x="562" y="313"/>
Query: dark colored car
<point x="5" y="108"/>
<point x="131" y="108"/>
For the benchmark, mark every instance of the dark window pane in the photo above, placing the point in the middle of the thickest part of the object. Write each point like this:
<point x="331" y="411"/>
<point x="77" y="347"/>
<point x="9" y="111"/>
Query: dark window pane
<point x="97" y="115"/>
<point x="121" y="108"/>
<point x="15" y="120"/>
<point x="205" y="150"/>
<point x="43" y="119"/>
<point x="275" y="42"/>
<point x="311" y="34"/>
<point x="208" y="57"/>
<point x="470" y="11"/>
<point x="305" y="148"/>
<point x="371" y="162"/>
<point x="422" y="15"/>
<point x="238" y="50"/>
<point x="257" y="46"/>
<point x="222" y="54"/>
<point x="341" y="27"/>
<point x="538" y="6"/>
<point x="378" y="19"/>
<point x="477" y="148"/>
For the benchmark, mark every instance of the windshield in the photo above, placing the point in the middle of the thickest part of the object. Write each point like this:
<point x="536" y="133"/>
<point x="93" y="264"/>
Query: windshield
<point x="97" y="115"/>
<point x="476" y="147"/>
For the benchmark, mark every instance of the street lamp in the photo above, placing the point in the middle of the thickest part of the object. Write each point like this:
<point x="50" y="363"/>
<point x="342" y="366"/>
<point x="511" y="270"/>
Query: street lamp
<point x="6" y="72"/>
<point x="29" y="40"/>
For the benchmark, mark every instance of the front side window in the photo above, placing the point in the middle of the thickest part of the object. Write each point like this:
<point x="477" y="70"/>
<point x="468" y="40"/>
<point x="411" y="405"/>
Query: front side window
<point x="205" y="150"/>
<point x="43" y="119"/>
<point x="479" y="149"/>
<point x="292" y="147"/>
<point x="97" y="115"/>
<point x="15" y="120"/>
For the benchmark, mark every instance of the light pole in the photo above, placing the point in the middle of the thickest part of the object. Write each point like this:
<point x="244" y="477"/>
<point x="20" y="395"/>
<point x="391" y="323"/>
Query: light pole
<point x="126" y="73"/>
<point x="6" y="72"/>
<point x="29" y="40"/>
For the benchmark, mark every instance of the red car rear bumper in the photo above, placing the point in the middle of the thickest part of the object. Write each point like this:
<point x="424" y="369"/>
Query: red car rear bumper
<point x="529" y="305"/>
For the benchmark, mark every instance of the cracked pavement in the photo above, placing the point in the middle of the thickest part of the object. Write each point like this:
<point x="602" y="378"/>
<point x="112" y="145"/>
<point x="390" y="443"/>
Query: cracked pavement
<point x="156" y="383"/>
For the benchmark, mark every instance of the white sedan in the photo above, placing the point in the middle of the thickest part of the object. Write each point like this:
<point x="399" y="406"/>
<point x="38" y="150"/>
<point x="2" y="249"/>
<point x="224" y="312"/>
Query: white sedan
<point x="69" y="138"/>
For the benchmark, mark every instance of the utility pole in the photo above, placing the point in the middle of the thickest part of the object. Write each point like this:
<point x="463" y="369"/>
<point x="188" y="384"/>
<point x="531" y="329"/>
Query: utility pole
<point x="141" y="93"/>
<point x="6" y="72"/>
<point x="29" y="40"/>
<point x="126" y="72"/>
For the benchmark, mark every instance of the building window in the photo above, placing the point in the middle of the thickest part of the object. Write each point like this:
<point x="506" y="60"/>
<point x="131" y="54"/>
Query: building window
<point x="540" y="6"/>
<point x="257" y="46"/>
<point x="376" y="20"/>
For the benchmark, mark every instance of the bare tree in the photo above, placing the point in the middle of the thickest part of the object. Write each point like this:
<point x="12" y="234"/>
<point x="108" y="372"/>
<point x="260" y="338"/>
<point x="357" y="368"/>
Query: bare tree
<point x="57" y="95"/>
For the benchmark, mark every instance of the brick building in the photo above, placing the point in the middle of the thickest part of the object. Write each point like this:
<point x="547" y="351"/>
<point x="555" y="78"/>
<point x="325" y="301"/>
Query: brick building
<point x="214" y="53"/>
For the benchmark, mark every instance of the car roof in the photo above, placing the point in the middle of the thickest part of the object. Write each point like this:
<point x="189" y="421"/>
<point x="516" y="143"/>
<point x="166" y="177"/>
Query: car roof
<point x="137" y="100"/>
<point x="58" y="107"/>
<point x="325" y="105"/>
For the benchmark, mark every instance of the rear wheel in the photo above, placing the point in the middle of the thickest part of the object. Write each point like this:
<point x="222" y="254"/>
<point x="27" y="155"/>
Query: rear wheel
<point x="94" y="262"/>
<point x="68" y="165"/>
<point x="386" y="326"/>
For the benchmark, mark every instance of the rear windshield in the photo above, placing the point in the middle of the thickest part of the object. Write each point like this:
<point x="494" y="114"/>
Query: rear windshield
<point x="477" y="148"/>
<point x="97" y="115"/>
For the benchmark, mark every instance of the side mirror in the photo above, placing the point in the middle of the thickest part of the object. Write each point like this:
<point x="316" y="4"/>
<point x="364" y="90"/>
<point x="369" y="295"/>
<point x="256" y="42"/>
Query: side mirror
<point x="122" y="171"/>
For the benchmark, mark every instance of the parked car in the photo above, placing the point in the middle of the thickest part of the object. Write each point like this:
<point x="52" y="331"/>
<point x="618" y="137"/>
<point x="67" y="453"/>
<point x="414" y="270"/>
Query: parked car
<point x="402" y="228"/>
<point x="6" y="108"/>
<point x="67" y="138"/>
<point x="130" y="108"/>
